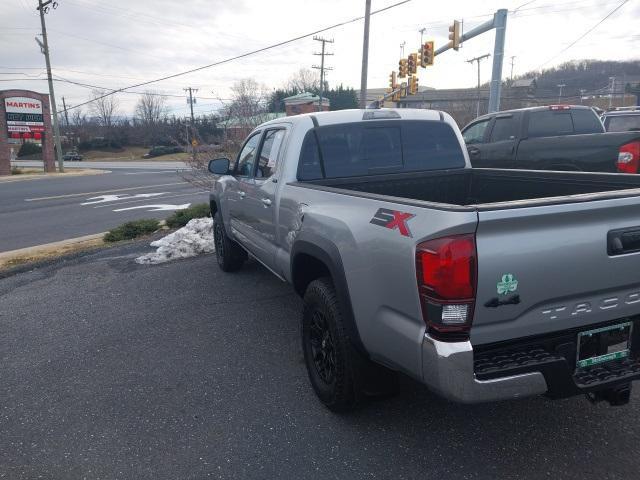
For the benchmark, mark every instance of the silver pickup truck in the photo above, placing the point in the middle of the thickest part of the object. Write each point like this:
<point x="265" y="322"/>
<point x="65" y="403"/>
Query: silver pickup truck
<point x="483" y="284"/>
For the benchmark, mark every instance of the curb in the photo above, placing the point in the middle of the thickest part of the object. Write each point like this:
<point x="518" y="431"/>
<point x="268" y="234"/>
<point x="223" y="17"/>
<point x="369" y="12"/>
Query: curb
<point x="42" y="176"/>
<point x="61" y="247"/>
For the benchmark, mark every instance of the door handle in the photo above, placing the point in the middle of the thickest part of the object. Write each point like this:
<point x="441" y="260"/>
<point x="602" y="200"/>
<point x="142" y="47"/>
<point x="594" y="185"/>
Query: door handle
<point x="266" y="202"/>
<point x="474" y="151"/>
<point x="242" y="194"/>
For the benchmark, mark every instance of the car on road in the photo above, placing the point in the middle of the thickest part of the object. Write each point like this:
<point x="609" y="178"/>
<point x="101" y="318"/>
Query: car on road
<point x="623" y="119"/>
<point x="72" y="156"/>
<point x="557" y="137"/>
<point x="483" y="284"/>
<point x="162" y="150"/>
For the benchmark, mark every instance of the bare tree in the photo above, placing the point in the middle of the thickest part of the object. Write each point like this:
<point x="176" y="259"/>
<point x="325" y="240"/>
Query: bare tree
<point x="246" y="109"/>
<point x="151" y="110"/>
<point x="304" y="80"/>
<point x="105" y="108"/>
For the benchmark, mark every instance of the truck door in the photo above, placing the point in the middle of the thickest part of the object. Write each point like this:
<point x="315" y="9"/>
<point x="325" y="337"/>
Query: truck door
<point x="238" y="192"/>
<point x="260" y="200"/>
<point x="474" y="136"/>
<point x="500" y="149"/>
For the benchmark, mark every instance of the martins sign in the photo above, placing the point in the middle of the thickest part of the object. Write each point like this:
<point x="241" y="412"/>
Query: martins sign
<point x="24" y="115"/>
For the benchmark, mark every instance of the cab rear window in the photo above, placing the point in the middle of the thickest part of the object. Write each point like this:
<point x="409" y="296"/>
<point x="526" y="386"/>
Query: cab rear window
<point x="369" y="148"/>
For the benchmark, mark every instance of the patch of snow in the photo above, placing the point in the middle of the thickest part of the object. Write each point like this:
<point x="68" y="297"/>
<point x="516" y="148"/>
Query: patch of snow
<point x="194" y="238"/>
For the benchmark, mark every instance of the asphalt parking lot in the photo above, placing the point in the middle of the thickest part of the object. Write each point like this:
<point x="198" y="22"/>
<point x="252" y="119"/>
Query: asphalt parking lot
<point x="179" y="371"/>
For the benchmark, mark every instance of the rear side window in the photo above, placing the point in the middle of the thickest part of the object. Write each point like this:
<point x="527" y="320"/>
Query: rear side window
<point x="504" y="129"/>
<point x="550" y="123"/>
<point x="366" y="148"/>
<point x="586" y="121"/>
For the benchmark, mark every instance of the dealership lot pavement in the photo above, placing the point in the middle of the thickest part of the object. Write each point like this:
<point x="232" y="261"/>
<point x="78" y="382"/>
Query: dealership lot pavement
<point x="33" y="212"/>
<point x="117" y="370"/>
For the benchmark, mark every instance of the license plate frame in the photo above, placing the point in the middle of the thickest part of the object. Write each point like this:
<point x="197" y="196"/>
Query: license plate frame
<point x="615" y="351"/>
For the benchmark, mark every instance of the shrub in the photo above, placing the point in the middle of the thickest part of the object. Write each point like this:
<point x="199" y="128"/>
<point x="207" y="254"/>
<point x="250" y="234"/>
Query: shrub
<point x="16" y="171"/>
<point x="182" y="217"/>
<point x="29" y="148"/>
<point x="130" y="230"/>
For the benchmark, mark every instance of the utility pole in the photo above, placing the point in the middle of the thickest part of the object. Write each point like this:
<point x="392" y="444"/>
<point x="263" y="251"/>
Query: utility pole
<point x="477" y="60"/>
<point x="512" y="62"/>
<point x="422" y="30"/>
<point x="365" y="55"/>
<point x="322" y="68"/>
<point x="191" y="101"/>
<point x="560" y="86"/>
<point x="43" y="8"/>
<point x="66" y="114"/>
<point x="612" y="83"/>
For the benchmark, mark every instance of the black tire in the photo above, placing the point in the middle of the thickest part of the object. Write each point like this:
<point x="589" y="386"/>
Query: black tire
<point x="229" y="254"/>
<point x="331" y="360"/>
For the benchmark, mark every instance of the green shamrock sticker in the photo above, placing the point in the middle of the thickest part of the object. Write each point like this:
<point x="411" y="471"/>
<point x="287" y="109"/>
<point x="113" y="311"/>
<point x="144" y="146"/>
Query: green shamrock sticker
<point x="508" y="284"/>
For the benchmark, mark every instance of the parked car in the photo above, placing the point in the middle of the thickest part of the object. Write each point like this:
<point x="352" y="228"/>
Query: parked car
<point x="162" y="150"/>
<point x="72" y="156"/>
<point x="557" y="137"/>
<point x="624" y="119"/>
<point x="483" y="284"/>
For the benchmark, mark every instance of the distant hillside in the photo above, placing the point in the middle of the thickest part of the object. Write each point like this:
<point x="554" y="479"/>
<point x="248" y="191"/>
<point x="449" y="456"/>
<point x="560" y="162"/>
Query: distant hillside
<point x="589" y="75"/>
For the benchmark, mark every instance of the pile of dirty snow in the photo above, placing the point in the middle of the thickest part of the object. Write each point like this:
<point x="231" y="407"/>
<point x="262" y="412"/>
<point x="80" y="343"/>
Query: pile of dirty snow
<point x="194" y="238"/>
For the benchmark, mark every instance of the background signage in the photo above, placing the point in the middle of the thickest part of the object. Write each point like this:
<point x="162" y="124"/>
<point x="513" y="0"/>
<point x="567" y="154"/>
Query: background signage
<point x="24" y="117"/>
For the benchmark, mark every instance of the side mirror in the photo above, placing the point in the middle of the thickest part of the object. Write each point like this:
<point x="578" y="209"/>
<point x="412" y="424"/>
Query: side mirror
<point x="219" y="166"/>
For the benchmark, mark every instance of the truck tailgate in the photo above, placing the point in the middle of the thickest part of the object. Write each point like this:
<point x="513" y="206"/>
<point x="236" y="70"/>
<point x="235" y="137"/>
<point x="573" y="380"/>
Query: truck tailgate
<point x="545" y="269"/>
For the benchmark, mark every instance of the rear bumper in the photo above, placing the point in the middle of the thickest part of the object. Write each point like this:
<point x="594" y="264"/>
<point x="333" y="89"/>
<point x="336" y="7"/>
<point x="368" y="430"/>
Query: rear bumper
<point x="448" y="369"/>
<point x="523" y="367"/>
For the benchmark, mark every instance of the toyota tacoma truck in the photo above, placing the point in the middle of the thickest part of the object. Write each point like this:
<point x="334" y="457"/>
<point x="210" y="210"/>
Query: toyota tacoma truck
<point x="557" y="137"/>
<point x="483" y="284"/>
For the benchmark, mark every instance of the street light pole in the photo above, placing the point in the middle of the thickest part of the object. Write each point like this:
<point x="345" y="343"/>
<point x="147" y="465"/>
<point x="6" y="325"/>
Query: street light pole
<point x="56" y="128"/>
<point x="365" y="56"/>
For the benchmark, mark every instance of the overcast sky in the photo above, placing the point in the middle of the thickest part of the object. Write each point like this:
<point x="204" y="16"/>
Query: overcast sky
<point x="115" y="43"/>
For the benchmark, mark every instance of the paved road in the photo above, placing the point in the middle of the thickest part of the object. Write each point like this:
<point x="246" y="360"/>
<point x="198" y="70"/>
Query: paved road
<point x="178" y="371"/>
<point x="33" y="212"/>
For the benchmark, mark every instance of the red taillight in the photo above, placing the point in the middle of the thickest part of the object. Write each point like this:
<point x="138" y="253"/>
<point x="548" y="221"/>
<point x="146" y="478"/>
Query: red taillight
<point x="446" y="269"/>
<point x="629" y="158"/>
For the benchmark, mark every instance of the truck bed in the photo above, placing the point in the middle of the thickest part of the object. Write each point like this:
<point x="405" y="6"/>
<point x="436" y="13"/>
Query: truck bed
<point x="488" y="188"/>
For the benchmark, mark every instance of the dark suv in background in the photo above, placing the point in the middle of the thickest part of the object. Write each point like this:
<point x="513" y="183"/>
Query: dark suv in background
<point x="555" y="137"/>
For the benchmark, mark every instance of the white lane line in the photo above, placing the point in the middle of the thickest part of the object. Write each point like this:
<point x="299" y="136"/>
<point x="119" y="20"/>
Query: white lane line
<point x="141" y="187"/>
<point x="155" y="208"/>
<point x="115" y="198"/>
<point x="147" y="173"/>
<point x="132" y="200"/>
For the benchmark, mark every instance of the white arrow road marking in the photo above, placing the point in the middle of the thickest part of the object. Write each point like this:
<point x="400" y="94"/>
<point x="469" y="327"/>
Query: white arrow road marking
<point x="115" y="198"/>
<point x="155" y="208"/>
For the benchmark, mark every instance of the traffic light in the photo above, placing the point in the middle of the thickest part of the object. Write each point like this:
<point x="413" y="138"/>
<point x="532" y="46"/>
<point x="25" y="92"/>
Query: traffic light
<point x="413" y="85"/>
<point x="402" y="68"/>
<point x="426" y="54"/>
<point x="392" y="81"/>
<point x="403" y="90"/>
<point x="454" y="35"/>
<point x="412" y="63"/>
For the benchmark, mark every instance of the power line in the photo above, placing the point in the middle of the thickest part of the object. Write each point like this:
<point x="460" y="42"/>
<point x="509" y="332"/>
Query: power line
<point x="247" y="54"/>
<point x="584" y="34"/>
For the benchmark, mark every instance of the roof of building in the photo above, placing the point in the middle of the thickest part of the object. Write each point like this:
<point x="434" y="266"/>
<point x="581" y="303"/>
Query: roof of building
<point x="524" y="82"/>
<point x="237" y="122"/>
<point x="305" y="97"/>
